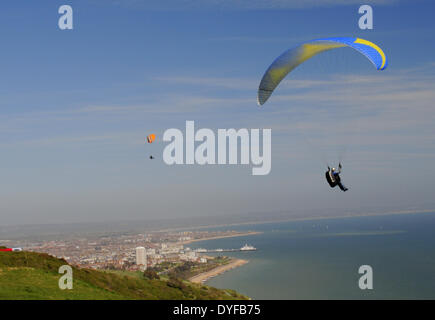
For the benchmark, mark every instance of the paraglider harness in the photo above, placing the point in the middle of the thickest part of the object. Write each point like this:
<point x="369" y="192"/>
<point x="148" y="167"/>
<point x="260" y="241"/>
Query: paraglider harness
<point x="334" y="179"/>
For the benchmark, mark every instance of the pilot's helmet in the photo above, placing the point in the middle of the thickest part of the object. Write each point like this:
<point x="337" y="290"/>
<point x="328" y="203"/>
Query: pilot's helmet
<point x="333" y="169"/>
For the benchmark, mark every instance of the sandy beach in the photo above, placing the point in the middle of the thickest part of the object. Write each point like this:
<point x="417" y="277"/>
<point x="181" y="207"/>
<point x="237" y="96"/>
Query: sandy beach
<point x="202" y="277"/>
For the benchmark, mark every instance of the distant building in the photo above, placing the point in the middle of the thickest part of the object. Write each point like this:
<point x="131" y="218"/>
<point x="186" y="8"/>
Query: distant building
<point x="141" y="258"/>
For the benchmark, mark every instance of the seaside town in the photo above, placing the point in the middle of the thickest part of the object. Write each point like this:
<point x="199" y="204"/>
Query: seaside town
<point x="160" y="251"/>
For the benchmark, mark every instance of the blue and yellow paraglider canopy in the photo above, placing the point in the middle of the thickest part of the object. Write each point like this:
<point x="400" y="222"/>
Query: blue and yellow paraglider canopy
<point x="290" y="59"/>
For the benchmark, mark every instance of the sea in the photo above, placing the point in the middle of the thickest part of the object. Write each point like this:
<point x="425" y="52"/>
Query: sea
<point x="321" y="259"/>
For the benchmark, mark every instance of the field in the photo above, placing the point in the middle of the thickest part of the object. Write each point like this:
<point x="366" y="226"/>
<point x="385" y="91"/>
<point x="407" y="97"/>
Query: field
<point x="29" y="275"/>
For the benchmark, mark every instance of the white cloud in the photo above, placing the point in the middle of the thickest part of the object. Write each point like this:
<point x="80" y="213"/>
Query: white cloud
<point x="230" y="83"/>
<point x="393" y="108"/>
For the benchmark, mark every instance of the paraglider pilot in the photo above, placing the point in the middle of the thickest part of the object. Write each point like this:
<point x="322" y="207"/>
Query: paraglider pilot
<point x="333" y="177"/>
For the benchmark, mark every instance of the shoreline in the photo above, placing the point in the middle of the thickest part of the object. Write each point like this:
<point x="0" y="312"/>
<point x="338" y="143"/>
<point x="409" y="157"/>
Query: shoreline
<point x="297" y="219"/>
<point x="203" y="277"/>
<point x="251" y="233"/>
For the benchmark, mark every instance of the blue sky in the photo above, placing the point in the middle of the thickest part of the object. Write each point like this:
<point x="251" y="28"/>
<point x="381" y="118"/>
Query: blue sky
<point x="76" y="105"/>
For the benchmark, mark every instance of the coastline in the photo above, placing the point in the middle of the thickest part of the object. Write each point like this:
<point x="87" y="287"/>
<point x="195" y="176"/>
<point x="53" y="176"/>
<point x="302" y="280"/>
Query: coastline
<point x="296" y="219"/>
<point x="203" y="277"/>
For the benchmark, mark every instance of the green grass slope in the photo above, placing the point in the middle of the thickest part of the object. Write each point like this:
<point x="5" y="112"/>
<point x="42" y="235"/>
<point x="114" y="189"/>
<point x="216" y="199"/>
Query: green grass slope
<point x="30" y="275"/>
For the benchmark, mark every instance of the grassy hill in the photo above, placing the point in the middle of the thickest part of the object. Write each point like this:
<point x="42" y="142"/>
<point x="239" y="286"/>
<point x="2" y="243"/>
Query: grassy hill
<point x="30" y="275"/>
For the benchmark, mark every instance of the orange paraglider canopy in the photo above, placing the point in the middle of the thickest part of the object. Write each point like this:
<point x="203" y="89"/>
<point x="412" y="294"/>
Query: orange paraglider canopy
<point x="151" y="138"/>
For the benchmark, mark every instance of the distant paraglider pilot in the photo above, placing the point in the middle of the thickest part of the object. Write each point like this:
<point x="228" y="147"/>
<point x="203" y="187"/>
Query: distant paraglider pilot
<point x="333" y="177"/>
<point x="150" y="139"/>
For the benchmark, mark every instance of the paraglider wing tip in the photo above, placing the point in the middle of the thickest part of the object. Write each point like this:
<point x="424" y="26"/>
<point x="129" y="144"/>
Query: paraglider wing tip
<point x="263" y="95"/>
<point x="260" y="99"/>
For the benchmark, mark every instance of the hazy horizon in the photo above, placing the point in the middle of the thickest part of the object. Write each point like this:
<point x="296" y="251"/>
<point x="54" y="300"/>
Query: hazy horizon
<point x="135" y="226"/>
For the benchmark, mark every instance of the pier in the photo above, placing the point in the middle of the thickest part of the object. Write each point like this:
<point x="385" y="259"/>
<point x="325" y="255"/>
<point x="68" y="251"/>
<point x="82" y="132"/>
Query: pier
<point x="244" y="248"/>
